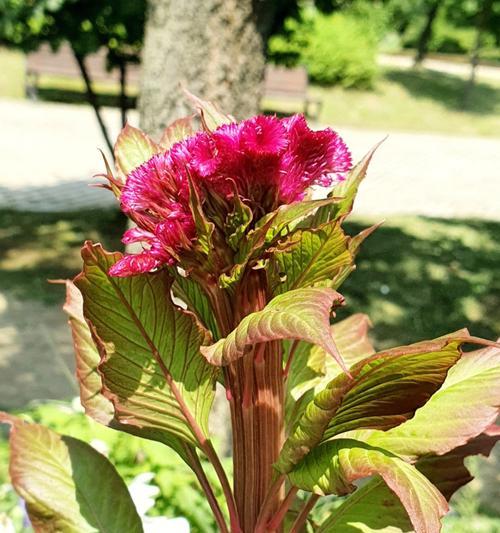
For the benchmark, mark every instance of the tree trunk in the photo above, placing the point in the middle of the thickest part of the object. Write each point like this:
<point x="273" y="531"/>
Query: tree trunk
<point x="122" y="66"/>
<point x="425" y="36"/>
<point x="215" y="48"/>
<point x="481" y="24"/>
<point x="92" y="98"/>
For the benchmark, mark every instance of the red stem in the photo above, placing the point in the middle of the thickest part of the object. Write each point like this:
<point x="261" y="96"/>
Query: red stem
<point x="205" y="484"/>
<point x="290" y="358"/>
<point x="226" y="487"/>
<point x="254" y="386"/>
<point x="301" y="519"/>
<point x="266" y="508"/>
<point x="278" y="518"/>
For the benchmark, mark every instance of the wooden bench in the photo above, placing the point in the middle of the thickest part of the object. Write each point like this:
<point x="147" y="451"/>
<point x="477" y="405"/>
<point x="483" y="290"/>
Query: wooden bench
<point x="63" y="63"/>
<point x="280" y="83"/>
<point x="290" y="84"/>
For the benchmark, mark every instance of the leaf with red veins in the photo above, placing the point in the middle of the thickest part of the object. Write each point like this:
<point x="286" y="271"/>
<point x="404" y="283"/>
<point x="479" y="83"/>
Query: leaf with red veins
<point x="177" y="131"/>
<point x="66" y="484"/>
<point x="467" y="403"/>
<point x="448" y="472"/>
<point x="332" y="467"/>
<point x="150" y="366"/>
<point x="377" y="508"/>
<point x="132" y="148"/>
<point x="87" y="359"/>
<point x="385" y="390"/>
<point x="302" y="314"/>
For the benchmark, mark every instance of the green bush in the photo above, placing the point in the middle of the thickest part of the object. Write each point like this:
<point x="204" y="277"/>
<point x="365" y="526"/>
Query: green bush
<point x="336" y="49"/>
<point x="341" y="51"/>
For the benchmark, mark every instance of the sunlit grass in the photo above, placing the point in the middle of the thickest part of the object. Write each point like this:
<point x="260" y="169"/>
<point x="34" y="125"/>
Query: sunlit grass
<point x="409" y="101"/>
<point x="419" y="278"/>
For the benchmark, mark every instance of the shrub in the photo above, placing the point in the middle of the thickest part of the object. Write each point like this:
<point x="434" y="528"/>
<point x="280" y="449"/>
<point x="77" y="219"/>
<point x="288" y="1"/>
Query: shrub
<point x="339" y="48"/>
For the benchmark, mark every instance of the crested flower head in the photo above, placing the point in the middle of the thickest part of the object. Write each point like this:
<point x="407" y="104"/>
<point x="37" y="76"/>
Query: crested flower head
<point x="265" y="160"/>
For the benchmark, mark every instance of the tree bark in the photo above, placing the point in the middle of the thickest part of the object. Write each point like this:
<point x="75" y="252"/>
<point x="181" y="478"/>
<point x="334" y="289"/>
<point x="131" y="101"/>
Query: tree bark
<point x="425" y="36"/>
<point x="92" y="99"/>
<point x="122" y="66"/>
<point x="215" y="48"/>
<point x="481" y="24"/>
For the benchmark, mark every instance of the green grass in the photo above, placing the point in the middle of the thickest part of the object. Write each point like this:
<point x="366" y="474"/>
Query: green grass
<point x="12" y="78"/>
<point x="419" y="278"/>
<point x="36" y="247"/>
<point x="410" y="101"/>
<point x="53" y="88"/>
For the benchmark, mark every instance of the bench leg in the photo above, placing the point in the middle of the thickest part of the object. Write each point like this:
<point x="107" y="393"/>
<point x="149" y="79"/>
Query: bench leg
<point x="31" y="86"/>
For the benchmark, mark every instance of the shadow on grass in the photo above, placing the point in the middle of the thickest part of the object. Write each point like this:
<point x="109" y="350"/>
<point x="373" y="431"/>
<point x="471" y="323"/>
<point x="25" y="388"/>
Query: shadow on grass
<point x="420" y="278"/>
<point x="446" y="89"/>
<point x="35" y="247"/>
<point x="69" y="96"/>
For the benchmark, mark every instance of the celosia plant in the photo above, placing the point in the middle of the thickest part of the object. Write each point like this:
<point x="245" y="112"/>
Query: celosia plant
<point x="236" y="283"/>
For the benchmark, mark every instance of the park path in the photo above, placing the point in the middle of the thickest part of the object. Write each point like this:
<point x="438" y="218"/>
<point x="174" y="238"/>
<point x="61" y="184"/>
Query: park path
<point x="49" y="155"/>
<point x="440" y="65"/>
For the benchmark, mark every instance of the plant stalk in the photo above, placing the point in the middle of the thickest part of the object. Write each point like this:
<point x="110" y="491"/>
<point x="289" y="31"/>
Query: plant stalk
<point x="256" y="402"/>
<point x="205" y="484"/>
<point x="304" y="513"/>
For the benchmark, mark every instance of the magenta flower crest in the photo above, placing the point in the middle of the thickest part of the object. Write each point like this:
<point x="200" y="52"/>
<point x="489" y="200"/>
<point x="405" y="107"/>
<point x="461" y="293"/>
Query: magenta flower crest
<point x="268" y="161"/>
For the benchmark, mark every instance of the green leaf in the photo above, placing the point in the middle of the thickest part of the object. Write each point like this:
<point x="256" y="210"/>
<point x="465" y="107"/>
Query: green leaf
<point x="151" y="368"/>
<point x="313" y="367"/>
<point x="133" y="147"/>
<point x="66" y="484"/>
<point x="390" y="386"/>
<point x="204" y="228"/>
<point x="345" y="191"/>
<point x="332" y="467"/>
<point x="448" y="472"/>
<point x="385" y="390"/>
<point x="267" y="230"/>
<point x="309" y="257"/>
<point x="177" y="131"/>
<point x="237" y="222"/>
<point x="302" y="314"/>
<point x="465" y="405"/>
<point x="373" y="508"/>
<point x="211" y="117"/>
<point x="190" y="292"/>
<point x="289" y="215"/>
<point x="87" y="359"/>
<point x="353" y="245"/>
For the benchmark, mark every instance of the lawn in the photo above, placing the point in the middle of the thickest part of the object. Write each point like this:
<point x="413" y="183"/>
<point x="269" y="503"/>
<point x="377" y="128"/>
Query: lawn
<point x="407" y="100"/>
<point x="36" y="247"/>
<point x="400" y="100"/>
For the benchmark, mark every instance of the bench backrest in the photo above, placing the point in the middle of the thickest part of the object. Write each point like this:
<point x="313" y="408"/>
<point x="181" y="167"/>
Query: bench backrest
<point x="63" y="63"/>
<point x="286" y="81"/>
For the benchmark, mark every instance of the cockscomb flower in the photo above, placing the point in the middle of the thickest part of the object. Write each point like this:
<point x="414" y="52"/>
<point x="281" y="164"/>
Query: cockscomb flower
<point x="265" y="160"/>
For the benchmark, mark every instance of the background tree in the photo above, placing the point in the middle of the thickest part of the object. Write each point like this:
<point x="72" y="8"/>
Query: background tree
<point x="87" y="25"/>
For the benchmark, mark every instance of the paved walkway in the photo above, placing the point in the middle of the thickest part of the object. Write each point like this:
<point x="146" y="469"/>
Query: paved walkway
<point x="441" y="65"/>
<point x="49" y="155"/>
